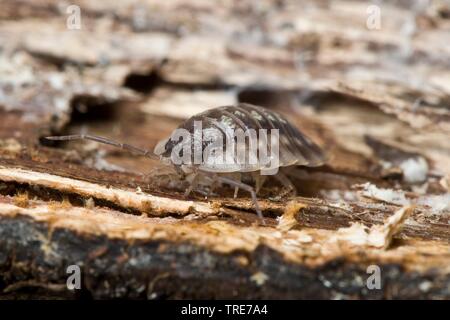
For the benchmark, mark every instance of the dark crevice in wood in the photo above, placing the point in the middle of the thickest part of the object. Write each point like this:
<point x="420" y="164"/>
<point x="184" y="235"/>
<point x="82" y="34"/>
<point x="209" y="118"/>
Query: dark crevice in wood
<point x="142" y="83"/>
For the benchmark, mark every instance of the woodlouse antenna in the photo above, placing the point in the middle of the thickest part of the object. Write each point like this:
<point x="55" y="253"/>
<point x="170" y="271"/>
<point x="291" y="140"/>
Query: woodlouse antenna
<point x="124" y="146"/>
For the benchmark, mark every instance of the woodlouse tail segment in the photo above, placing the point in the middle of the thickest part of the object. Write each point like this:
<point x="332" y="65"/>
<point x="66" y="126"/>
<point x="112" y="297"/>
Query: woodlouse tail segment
<point x="124" y="146"/>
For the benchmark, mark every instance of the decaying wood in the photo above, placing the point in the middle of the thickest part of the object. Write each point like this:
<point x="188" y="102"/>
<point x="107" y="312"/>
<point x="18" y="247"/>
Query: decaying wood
<point x="376" y="100"/>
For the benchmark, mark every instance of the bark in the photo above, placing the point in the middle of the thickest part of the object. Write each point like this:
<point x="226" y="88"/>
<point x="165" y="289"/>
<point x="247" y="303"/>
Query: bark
<point x="376" y="100"/>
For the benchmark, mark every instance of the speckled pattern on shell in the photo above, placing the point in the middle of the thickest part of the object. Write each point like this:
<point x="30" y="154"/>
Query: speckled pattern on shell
<point x="295" y="148"/>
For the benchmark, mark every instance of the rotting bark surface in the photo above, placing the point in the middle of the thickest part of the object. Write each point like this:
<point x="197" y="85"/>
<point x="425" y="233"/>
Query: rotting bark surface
<point x="376" y="100"/>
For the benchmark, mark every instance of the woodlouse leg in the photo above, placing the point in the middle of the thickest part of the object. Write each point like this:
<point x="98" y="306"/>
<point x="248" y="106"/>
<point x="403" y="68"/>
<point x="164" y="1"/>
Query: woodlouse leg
<point x="192" y="184"/>
<point x="213" y="185"/>
<point x="284" y="180"/>
<point x="246" y="187"/>
<point x="236" y="191"/>
<point x="236" y="188"/>
<point x="197" y="179"/>
<point x="259" y="181"/>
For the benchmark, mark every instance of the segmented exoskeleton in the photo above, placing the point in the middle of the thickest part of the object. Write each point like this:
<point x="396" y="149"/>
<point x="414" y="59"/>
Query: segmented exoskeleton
<point x="220" y="126"/>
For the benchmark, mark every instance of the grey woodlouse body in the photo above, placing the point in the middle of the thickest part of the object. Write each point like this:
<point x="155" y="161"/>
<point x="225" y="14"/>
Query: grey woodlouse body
<point x="294" y="147"/>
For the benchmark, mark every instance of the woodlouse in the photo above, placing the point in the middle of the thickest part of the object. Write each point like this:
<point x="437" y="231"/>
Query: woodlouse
<point x="294" y="148"/>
